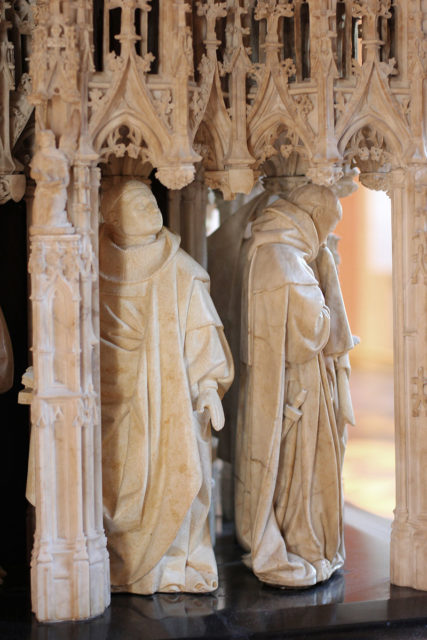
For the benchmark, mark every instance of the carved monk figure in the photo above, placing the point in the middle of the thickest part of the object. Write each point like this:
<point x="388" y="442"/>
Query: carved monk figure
<point x="165" y="365"/>
<point x="288" y="454"/>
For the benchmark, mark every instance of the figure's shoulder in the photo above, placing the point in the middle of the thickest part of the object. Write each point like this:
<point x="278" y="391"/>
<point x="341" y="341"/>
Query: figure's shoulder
<point x="276" y="265"/>
<point x="186" y="264"/>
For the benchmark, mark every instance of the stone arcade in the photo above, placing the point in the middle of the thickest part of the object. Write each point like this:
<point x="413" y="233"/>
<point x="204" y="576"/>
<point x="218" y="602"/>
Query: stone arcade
<point x="230" y="90"/>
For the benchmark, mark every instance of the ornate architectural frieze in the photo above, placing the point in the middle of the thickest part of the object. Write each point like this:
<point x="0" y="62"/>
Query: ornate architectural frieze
<point x="291" y="91"/>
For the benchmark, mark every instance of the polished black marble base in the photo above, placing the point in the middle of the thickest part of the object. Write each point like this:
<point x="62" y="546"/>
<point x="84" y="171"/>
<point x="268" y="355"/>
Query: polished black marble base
<point x="357" y="602"/>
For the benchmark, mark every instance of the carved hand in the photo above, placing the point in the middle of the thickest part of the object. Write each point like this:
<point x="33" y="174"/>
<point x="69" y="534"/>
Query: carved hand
<point x="210" y="400"/>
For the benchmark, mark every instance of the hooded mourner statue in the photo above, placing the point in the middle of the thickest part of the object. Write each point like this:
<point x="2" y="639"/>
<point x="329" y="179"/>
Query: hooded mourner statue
<point x="288" y="499"/>
<point x="165" y="365"/>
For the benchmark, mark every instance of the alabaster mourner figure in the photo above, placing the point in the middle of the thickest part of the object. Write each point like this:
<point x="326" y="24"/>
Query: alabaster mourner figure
<point x="165" y="365"/>
<point x="288" y="451"/>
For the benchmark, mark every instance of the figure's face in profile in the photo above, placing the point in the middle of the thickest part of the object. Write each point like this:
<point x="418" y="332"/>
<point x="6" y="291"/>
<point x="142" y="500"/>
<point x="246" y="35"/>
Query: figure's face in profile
<point x="327" y="222"/>
<point x="137" y="213"/>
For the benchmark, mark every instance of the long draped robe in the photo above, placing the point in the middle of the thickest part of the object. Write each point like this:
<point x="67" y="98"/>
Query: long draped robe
<point x="288" y="466"/>
<point x="161" y="341"/>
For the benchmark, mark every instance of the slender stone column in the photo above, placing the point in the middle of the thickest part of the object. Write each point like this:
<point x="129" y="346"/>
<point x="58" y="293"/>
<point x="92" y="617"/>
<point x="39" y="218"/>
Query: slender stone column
<point x="69" y="571"/>
<point x="69" y="567"/>
<point x="187" y="217"/>
<point x="408" y="191"/>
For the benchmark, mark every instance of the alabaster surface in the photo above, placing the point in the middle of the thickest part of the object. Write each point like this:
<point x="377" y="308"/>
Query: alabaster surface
<point x="165" y="364"/>
<point x="294" y="396"/>
<point x="49" y="168"/>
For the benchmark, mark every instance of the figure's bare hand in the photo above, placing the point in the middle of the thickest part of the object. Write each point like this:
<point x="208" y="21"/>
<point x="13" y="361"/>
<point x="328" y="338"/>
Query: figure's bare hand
<point x="210" y="400"/>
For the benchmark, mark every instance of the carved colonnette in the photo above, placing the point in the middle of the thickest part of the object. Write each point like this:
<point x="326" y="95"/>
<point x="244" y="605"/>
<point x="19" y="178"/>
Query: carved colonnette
<point x="408" y="542"/>
<point x="186" y="208"/>
<point x="390" y="152"/>
<point x="70" y="568"/>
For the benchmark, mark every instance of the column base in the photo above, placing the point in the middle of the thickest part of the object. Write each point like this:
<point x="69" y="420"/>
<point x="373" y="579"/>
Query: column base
<point x="67" y="584"/>
<point x="409" y="554"/>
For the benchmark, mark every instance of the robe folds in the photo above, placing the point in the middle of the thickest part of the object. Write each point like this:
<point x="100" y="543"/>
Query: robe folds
<point x="161" y="342"/>
<point x="288" y="458"/>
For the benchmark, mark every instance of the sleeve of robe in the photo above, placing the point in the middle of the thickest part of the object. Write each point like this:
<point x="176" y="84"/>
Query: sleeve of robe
<point x="206" y="349"/>
<point x="308" y="323"/>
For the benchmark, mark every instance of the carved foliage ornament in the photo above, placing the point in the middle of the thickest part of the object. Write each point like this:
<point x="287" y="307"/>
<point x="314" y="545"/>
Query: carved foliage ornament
<point x="125" y="140"/>
<point x="164" y="105"/>
<point x="282" y="152"/>
<point x="56" y="259"/>
<point x="371" y="8"/>
<point x="367" y="150"/>
<point x="201" y="93"/>
<point x="274" y="9"/>
<point x="419" y="238"/>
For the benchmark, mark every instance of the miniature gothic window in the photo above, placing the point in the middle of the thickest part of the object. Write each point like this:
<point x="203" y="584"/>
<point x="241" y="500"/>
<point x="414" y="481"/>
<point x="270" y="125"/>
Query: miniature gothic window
<point x="140" y="23"/>
<point x="387" y="35"/>
<point x="152" y="18"/>
<point x="256" y="36"/>
<point x="288" y="31"/>
<point x="98" y="33"/>
<point x="303" y="69"/>
<point x="115" y="16"/>
<point x="198" y="29"/>
<point x="343" y="47"/>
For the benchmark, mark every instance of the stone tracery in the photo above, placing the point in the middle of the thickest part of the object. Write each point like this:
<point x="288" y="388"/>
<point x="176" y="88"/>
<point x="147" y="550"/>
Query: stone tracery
<point x="280" y="88"/>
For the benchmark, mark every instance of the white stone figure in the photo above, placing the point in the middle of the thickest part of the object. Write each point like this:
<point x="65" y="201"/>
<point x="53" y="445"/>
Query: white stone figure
<point x="288" y="451"/>
<point x="49" y="168"/>
<point x="165" y="365"/>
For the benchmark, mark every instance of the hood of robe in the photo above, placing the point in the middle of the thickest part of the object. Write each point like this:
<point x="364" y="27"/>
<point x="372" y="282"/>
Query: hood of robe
<point x="283" y="241"/>
<point x="285" y="223"/>
<point x="136" y="263"/>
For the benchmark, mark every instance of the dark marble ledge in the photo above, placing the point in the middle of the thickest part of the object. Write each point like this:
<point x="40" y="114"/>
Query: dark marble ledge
<point x="355" y="603"/>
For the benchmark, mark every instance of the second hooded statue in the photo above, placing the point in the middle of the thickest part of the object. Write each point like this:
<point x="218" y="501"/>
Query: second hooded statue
<point x="288" y="451"/>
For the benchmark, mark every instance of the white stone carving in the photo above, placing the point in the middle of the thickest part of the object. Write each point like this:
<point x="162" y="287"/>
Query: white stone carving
<point x="290" y="345"/>
<point x="320" y="108"/>
<point x="165" y="364"/>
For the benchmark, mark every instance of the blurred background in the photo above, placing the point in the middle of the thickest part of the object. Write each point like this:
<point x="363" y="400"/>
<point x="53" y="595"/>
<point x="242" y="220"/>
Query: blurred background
<point x="365" y="270"/>
<point x="366" y="280"/>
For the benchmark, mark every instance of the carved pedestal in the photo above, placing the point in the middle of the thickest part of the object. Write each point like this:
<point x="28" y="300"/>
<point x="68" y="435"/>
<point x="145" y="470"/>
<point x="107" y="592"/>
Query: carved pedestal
<point x="69" y="568"/>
